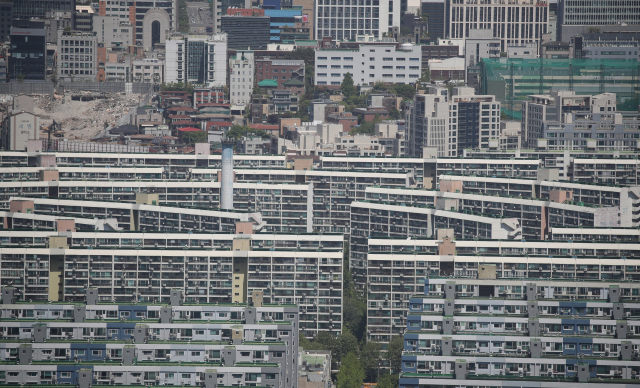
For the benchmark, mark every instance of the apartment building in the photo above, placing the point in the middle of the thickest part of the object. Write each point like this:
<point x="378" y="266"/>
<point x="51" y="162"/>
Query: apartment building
<point x="496" y="271"/>
<point x="241" y="77"/>
<point x="595" y="195"/>
<point x="384" y="220"/>
<point x="286" y="208"/>
<point x="154" y="345"/>
<point x="514" y="23"/>
<point x="302" y="270"/>
<point x="369" y="64"/>
<point x="594" y="234"/>
<point x="14" y="219"/>
<point x="346" y="21"/>
<point x="536" y="215"/>
<point x="78" y="56"/>
<point x="452" y="123"/>
<point x="524" y="334"/>
<point x="197" y="59"/>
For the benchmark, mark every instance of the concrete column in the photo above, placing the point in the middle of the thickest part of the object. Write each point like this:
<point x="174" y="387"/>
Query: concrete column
<point x="128" y="355"/>
<point x="618" y="311"/>
<point x="450" y="290"/>
<point x="460" y="370"/>
<point x="535" y="347"/>
<point x="531" y="291"/>
<point x="175" y="298"/>
<point x="621" y="329"/>
<point x="532" y="309"/>
<point x="166" y="315"/>
<point x="446" y="347"/>
<point x="92" y="296"/>
<point x="79" y="313"/>
<point x="25" y="354"/>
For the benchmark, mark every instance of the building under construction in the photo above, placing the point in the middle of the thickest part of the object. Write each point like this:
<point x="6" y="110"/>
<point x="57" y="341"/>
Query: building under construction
<point x="512" y="80"/>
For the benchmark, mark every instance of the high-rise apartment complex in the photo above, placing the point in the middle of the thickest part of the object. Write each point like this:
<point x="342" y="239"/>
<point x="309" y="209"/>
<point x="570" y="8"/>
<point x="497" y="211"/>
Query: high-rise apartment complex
<point x="349" y="18"/>
<point x="196" y="59"/>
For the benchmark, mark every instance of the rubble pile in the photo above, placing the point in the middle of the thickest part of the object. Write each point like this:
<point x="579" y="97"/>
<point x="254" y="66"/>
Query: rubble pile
<point x="83" y="120"/>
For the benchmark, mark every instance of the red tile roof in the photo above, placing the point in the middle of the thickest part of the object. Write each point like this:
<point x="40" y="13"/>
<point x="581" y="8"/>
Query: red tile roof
<point x="189" y="129"/>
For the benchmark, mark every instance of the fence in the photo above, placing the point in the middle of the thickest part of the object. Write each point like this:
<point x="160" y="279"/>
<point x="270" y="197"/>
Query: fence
<point x="43" y="87"/>
<point x="47" y="87"/>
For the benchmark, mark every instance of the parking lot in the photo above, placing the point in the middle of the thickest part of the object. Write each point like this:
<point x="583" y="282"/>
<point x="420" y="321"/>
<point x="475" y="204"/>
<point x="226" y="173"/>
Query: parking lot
<point x="199" y="15"/>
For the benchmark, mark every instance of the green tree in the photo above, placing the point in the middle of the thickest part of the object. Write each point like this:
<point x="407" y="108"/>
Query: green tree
<point x="178" y="86"/>
<point x="346" y="343"/>
<point x="405" y="91"/>
<point x="194" y="137"/>
<point x="370" y="357"/>
<point x="347" y="87"/>
<point x="388" y="381"/>
<point x="238" y="131"/>
<point x="351" y="374"/>
<point x="394" y="114"/>
<point x="20" y="77"/>
<point x="394" y="353"/>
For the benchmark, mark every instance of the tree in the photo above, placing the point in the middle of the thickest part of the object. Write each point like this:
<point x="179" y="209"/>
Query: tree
<point x="370" y="357"/>
<point x="194" y="137"/>
<point x="347" y="88"/>
<point x="238" y="131"/>
<point x="20" y="77"/>
<point x="388" y="381"/>
<point x="346" y="343"/>
<point x="394" y="114"/>
<point x="394" y="353"/>
<point x="405" y="91"/>
<point x="351" y="374"/>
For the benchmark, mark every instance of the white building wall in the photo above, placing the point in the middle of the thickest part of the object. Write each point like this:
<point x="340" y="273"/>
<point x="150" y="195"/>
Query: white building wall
<point x="176" y="48"/>
<point x="241" y="77"/>
<point x="350" y="18"/>
<point x="369" y="64"/>
<point x="514" y="22"/>
<point x="112" y="29"/>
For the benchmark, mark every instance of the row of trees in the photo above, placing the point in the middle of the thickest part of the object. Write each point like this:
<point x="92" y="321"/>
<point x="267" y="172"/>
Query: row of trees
<point x="358" y="360"/>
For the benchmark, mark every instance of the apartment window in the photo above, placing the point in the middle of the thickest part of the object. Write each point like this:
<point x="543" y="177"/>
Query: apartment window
<point x="335" y="58"/>
<point x="411" y="59"/>
<point x="387" y="59"/>
<point x="322" y="58"/>
<point x="335" y="74"/>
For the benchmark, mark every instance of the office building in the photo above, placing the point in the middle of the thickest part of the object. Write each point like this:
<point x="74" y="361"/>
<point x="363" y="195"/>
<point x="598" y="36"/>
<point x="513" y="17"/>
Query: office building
<point x="150" y="18"/>
<point x="346" y="21"/>
<point x="77" y="56"/>
<point x="280" y="70"/>
<point x="179" y="344"/>
<point x="369" y="64"/>
<point x="514" y="23"/>
<point x="241" y="77"/>
<point x="580" y="333"/>
<point x="84" y="18"/>
<point x="6" y="10"/>
<point x="246" y="32"/>
<point x="28" y="59"/>
<point x="576" y="17"/>
<point x="28" y="9"/>
<point x="434" y="11"/>
<point x="196" y="59"/>
<point x="221" y="8"/>
<point x="113" y="32"/>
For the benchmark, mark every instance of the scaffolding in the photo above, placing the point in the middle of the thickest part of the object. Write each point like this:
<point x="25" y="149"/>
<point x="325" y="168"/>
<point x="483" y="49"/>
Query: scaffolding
<point x="512" y="80"/>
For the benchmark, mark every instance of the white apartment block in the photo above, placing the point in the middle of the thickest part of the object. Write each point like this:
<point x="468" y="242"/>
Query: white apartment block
<point x="349" y="18"/>
<point x="150" y="70"/>
<point x="196" y="59"/>
<point x="113" y="32"/>
<point x="77" y="56"/>
<point x="241" y="77"/>
<point x="515" y="22"/>
<point x="369" y="64"/>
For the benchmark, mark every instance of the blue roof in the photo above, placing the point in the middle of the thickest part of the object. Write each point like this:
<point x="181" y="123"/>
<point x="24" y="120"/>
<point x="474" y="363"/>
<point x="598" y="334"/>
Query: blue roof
<point x="276" y="31"/>
<point x="283" y="12"/>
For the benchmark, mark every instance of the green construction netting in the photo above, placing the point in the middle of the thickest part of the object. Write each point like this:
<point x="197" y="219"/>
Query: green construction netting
<point x="512" y="80"/>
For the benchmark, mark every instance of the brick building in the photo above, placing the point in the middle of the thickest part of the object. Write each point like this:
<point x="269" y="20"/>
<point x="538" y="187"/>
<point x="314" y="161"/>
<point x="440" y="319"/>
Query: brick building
<point x="281" y="70"/>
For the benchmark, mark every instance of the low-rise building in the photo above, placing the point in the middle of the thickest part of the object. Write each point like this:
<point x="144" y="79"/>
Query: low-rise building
<point x="148" y="70"/>
<point x="241" y="77"/>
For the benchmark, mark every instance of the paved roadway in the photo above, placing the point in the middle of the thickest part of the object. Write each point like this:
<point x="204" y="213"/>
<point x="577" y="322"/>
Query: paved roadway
<point x="200" y="15"/>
